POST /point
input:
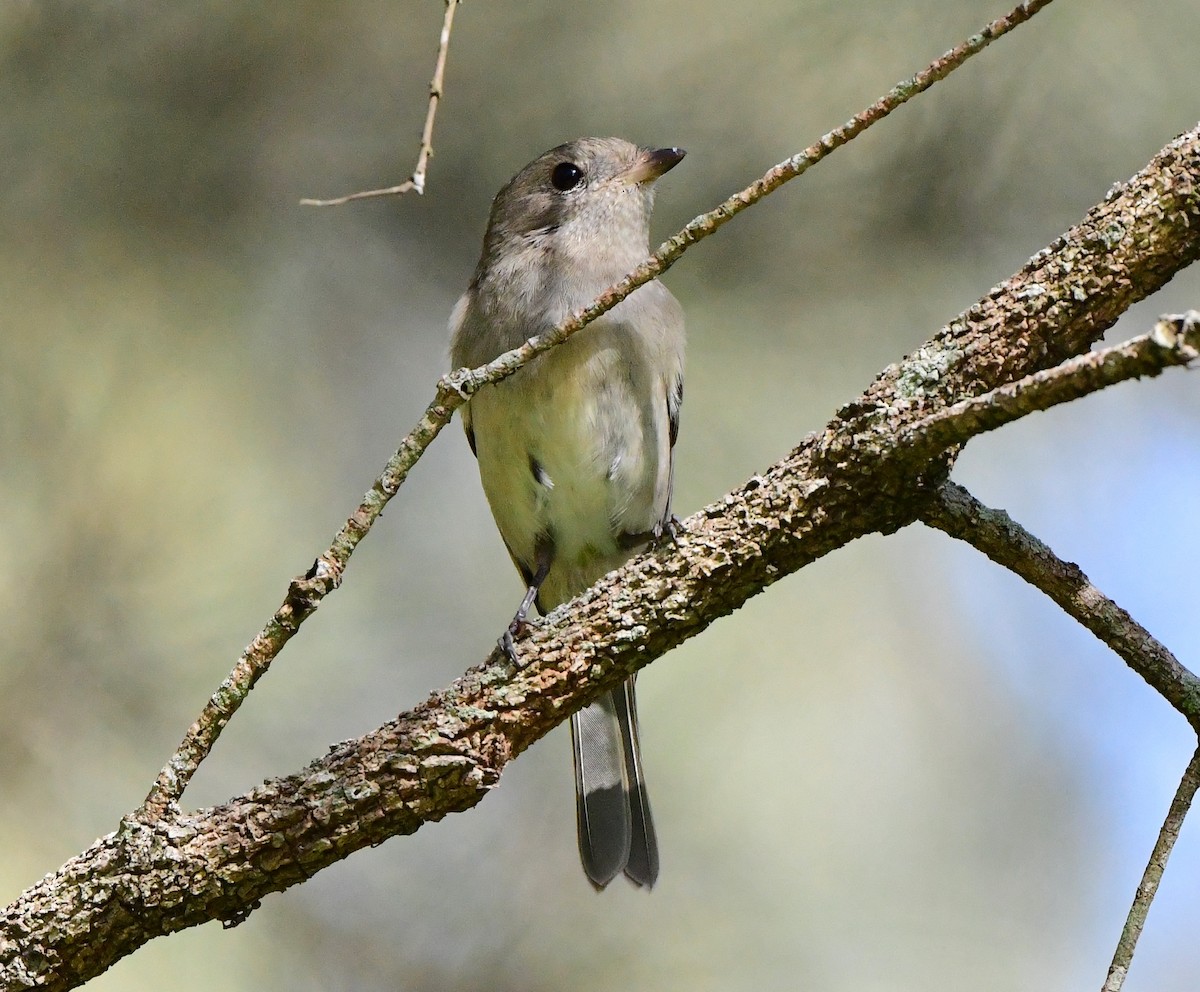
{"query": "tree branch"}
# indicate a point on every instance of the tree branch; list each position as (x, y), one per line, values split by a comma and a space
(157, 875)
(997, 535)
(1174, 341)
(306, 592)
(415, 182)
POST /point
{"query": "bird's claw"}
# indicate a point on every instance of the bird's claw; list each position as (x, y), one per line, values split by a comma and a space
(508, 645)
(507, 641)
(670, 526)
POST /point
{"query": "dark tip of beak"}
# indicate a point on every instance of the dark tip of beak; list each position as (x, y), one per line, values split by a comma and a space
(652, 163)
(665, 159)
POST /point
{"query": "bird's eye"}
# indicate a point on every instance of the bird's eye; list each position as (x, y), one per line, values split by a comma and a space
(566, 176)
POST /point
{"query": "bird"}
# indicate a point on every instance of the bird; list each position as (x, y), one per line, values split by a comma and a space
(576, 449)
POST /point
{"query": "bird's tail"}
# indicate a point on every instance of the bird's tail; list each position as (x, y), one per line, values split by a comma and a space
(616, 830)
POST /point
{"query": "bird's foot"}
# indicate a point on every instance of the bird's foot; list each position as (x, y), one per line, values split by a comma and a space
(507, 641)
(508, 646)
(671, 527)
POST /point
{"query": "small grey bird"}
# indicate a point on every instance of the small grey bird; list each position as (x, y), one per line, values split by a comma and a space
(575, 450)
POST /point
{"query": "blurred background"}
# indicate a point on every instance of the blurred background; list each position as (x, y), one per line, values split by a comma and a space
(899, 769)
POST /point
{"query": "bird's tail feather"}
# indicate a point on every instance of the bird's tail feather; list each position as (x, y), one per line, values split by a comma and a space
(616, 831)
(642, 866)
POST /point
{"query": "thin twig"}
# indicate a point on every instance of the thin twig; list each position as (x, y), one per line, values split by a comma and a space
(415, 182)
(1174, 341)
(997, 535)
(305, 593)
(1148, 886)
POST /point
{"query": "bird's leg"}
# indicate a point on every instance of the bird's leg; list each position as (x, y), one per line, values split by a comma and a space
(507, 645)
(671, 526)
(514, 629)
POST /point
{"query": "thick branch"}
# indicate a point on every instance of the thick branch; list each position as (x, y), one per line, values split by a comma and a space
(851, 479)
(997, 535)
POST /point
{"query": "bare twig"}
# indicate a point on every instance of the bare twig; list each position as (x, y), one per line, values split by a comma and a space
(1174, 341)
(997, 535)
(1148, 886)
(305, 593)
(415, 182)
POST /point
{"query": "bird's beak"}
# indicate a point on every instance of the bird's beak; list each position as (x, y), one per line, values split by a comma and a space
(652, 163)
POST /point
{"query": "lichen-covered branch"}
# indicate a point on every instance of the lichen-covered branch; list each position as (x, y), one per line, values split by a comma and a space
(1175, 341)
